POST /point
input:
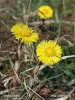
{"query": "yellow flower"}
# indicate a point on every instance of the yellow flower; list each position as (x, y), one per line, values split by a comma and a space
(45, 12)
(17, 30)
(49, 52)
(24, 33)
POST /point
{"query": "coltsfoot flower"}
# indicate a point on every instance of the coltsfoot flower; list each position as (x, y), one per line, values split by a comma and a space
(24, 33)
(45, 12)
(49, 52)
(17, 30)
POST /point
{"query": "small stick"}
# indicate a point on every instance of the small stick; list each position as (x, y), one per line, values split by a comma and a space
(70, 93)
(52, 21)
(35, 93)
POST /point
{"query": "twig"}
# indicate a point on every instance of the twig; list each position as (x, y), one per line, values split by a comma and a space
(6, 91)
(66, 97)
(52, 21)
(35, 93)
(3, 9)
(26, 88)
(69, 42)
(10, 52)
(22, 96)
(68, 36)
(4, 24)
(1, 74)
(70, 93)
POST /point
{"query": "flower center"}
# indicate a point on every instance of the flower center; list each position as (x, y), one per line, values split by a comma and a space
(49, 52)
(26, 34)
(45, 11)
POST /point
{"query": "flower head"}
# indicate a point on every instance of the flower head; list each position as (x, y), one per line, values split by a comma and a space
(45, 12)
(24, 33)
(49, 52)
